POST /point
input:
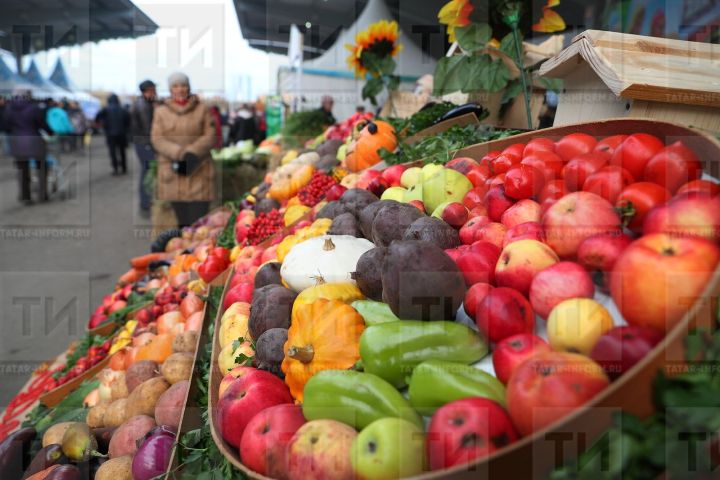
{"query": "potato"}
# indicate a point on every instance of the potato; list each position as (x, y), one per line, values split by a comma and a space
(170, 405)
(119, 468)
(96, 415)
(140, 372)
(185, 342)
(116, 413)
(124, 440)
(142, 400)
(55, 433)
(118, 388)
(177, 367)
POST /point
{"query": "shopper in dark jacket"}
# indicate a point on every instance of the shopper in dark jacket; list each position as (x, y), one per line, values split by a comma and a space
(141, 117)
(23, 120)
(115, 120)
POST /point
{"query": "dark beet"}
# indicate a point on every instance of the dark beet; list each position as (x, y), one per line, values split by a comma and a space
(328, 147)
(262, 190)
(368, 273)
(421, 282)
(345, 224)
(269, 352)
(327, 163)
(391, 221)
(367, 215)
(268, 274)
(271, 308)
(355, 199)
(266, 205)
(433, 230)
(332, 210)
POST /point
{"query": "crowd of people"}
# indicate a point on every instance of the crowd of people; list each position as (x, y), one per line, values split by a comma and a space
(178, 133)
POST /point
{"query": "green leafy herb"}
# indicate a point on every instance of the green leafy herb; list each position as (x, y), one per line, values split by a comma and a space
(80, 351)
(427, 117)
(301, 126)
(226, 238)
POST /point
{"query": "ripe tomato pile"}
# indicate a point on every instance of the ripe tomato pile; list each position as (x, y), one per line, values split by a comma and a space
(311, 194)
(264, 226)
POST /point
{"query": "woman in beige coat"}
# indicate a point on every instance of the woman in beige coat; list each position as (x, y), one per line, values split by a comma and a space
(183, 132)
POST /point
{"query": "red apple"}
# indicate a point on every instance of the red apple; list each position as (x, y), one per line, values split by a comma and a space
(378, 185)
(503, 162)
(520, 261)
(608, 145)
(699, 187)
(574, 218)
(548, 386)
(366, 177)
(335, 192)
(229, 378)
(516, 149)
(392, 175)
(512, 351)
(673, 166)
(492, 232)
(474, 295)
(462, 164)
(559, 282)
(608, 182)
(504, 312)
(497, 202)
(244, 398)
(574, 144)
(475, 197)
(598, 254)
(579, 168)
(635, 152)
(524, 181)
(538, 145)
(659, 277)
(417, 204)
(467, 232)
(622, 347)
(320, 450)
(478, 211)
(525, 210)
(479, 175)
(96, 319)
(263, 447)
(477, 263)
(242, 292)
(547, 162)
(466, 430)
(686, 216)
(524, 231)
(455, 214)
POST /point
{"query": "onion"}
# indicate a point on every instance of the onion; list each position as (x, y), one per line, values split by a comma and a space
(153, 456)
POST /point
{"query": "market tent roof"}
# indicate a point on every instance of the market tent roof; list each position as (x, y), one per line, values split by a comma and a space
(60, 77)
(45, 87)
(68, 22)
(9, 80)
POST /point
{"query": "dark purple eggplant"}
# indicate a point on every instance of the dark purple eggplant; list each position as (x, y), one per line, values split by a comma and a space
(65, 472)
(103, 436)
(13, 452)
(45, 458)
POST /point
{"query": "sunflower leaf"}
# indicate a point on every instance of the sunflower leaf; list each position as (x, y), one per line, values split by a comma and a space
(450, 74)
(507, 46)
(372, 88)
(486, 74)
(473, 37)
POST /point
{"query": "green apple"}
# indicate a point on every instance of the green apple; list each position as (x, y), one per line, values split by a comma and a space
(342, 152)
(394, 193)
(431, 169)
(411, 176)
(413, 193)
(447, 185)
(389, 448)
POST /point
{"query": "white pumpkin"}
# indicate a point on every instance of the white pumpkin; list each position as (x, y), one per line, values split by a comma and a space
(330, 257)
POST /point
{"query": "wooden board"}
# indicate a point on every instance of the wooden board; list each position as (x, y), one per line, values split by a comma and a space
(645, 68)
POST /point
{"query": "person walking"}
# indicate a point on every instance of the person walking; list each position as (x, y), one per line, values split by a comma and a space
(59, 122)
(243, 126)
(23, 121)
(183, 133)
(141, 117)
(79, 123)
(115, 120)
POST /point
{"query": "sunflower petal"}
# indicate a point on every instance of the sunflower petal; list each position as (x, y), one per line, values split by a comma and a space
(551, 21)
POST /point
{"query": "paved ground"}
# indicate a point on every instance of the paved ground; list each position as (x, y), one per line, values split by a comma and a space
(58, 259)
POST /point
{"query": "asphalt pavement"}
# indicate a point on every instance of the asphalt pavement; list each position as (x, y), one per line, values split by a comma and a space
(58, 259)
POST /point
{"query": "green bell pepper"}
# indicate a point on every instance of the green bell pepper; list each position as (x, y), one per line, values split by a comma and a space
(354, 398)
(391, 350)
(435, 383)
(374, 312)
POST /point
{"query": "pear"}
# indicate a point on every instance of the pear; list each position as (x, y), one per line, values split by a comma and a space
(415, 192)
(430, 169)
(78, 442)
(446, 185)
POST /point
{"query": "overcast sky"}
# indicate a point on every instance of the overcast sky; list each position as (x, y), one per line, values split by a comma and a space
(201, 38)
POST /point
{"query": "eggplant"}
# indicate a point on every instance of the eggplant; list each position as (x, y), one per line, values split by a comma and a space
(103, 436)
(65, 472)
(479, 112)
(13, 451)
(45, 458)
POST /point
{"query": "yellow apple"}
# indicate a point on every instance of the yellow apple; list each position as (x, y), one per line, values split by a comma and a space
(234, 328)
(576, 324)
(394, 193)
(226, 359)
(411, 176)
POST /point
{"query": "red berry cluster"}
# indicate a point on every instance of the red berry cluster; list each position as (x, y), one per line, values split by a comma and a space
(264, 226)
(311, 194)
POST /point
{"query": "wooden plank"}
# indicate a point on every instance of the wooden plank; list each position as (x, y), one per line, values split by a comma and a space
(704, 118)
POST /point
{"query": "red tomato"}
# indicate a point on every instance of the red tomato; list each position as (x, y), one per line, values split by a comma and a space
(608, 182)
(635, 151)
(515, 149)
(475, 196)
(695, 187)
(553, 190)
(504, 161)
(608, 145)
(496, 180)
(479, 175)
(546, 161)
(538, 145)
(488, 157)
(579, 168)
(639, 198)
(524, 181)
(570, 146)
(673, 166)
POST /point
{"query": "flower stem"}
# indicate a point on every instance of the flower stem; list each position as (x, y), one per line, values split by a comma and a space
(523, 73)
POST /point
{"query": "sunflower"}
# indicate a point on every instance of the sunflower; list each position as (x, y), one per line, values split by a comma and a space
(551, 21)
(455, 13)
(378, 39)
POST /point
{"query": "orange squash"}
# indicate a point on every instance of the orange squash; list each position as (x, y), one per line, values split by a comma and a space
(157, 350)
(365, 151)
(289, 184)
(323, 335)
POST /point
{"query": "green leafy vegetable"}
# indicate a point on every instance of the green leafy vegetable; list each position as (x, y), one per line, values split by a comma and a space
(226, 238)
(300, 126)
(80, 351)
